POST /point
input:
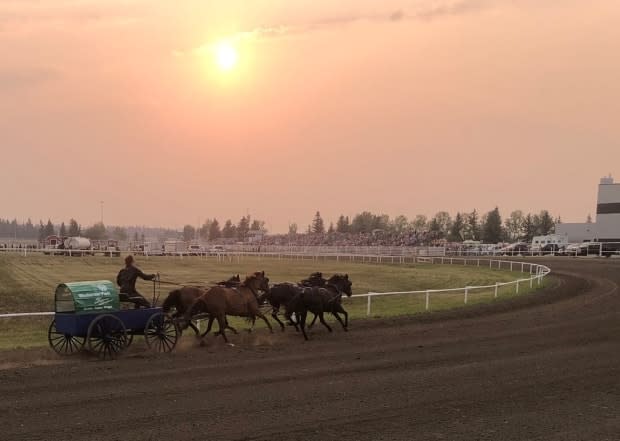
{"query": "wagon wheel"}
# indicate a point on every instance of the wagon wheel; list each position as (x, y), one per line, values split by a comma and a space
(107, 336)
(63, 344)
(161, 333)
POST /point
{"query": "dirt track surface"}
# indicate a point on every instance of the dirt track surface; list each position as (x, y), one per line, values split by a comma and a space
(541, 367)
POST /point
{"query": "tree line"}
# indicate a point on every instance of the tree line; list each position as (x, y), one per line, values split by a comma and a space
(489, 227)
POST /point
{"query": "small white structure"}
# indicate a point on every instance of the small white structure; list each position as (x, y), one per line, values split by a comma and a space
(175, 247)
(77, 243)
(561, 240)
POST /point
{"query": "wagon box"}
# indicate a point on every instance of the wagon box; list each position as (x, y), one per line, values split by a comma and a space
(87, 297)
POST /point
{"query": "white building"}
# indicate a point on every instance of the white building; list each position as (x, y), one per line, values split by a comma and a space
(606, 228)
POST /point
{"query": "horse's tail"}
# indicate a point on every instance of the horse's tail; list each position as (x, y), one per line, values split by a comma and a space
(171, 300)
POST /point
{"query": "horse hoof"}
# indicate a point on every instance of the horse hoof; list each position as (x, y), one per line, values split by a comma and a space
(232, 345)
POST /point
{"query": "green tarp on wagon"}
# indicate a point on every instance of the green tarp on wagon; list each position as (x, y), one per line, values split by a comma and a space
(94, 296)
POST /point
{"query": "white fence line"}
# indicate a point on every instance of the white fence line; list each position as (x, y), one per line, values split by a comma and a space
(536, 271)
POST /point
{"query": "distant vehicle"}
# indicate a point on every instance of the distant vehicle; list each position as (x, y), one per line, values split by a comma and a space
(552, 248)
(216, 249)
(538, 242)
(515, 248)
(195, 250)
(605, 249)
(175, 247)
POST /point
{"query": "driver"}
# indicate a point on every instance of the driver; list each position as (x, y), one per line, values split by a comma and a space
(126, 279)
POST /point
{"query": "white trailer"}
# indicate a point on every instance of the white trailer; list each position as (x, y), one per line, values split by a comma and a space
(561, 240)
(175, 247)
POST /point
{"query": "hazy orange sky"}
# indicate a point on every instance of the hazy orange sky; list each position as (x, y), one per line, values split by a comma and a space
(399, 107)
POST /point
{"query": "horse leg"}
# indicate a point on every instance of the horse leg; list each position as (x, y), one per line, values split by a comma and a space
(274, 314)
(261, 315)
(340, 309)
(221, 321)
(209, 324)
(313, 321)
(322, 319)
(230, 327)
(253, 320)
(302, 323)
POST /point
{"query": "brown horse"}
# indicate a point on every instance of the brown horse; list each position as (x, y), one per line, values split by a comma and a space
(182, 299)
(241, 302)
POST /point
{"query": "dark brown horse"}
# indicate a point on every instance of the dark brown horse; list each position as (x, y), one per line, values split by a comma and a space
(320, 300)
(219, 302)
(281, 294)
(180, 300)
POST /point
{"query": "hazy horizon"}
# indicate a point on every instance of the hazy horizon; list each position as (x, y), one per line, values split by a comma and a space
(396, 107)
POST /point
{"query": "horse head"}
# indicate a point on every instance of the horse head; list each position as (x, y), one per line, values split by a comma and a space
(342, 283)
(257, 281)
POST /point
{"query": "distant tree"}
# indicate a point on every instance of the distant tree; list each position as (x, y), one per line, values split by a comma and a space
(292, 229)
(229, 231)
(49, 228)
(492, 228)
(142, 238)
(63, 230)
(420, 223)
(203, 231)
(258, 225)
(546, 224)
(472, 226)
(456, 231)
(119, 233)
(443, 223)
(135, 236)
(243, 227)
(514, 225)
(74, 228)
(41, 231)
(331, 228)
(214, 230)
(189, 233)
(399, 224)
(96, 232)
(317, 224)
(529, 228)
(342, 225)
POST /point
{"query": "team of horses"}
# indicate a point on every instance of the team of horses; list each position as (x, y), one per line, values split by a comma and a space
(234, 297)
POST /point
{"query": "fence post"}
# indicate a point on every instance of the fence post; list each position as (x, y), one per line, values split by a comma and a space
(496, 286)
(478, 262)
(490, 263)
(517, 287)
(531, 281)
(368, 305)
(522, 267)
(466, 290)
(511, 266)
(428, 295)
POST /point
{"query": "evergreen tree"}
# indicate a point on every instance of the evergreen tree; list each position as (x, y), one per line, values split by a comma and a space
(203, 231)
(229, 231)
(96, 232)
(317, 224)
(49, 229)
(142, 238)
(529, 228)
(41, 231)
(342, 226)
(243, 227)
(420, 223)
(292, 229)
(189, 233)
(456, 231)
(214, 230)
(135, 236)
(546, 225)
(74, 228)
(514, 225)
(63, 230)
(331, 228)
(119, 233)
(473, 226)
(492, 229)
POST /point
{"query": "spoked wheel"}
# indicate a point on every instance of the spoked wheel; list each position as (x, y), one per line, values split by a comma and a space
(107, 336)
(63, 344)
(161, 333)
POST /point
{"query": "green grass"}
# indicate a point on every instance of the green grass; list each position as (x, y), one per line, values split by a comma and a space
(27, 284)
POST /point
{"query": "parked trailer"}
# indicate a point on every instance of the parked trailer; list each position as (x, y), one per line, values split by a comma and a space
(172, 247)
(88, 315)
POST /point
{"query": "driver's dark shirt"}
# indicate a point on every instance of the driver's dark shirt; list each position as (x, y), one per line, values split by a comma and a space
(127, 277)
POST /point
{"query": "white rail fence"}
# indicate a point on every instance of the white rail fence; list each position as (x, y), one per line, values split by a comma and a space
(535, 274)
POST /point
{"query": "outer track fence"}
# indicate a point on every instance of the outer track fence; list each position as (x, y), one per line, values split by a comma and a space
(535, 274)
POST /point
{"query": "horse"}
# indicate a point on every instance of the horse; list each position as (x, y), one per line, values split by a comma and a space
(183, 298)
(281, 294)
(242, 301)
(320, 300)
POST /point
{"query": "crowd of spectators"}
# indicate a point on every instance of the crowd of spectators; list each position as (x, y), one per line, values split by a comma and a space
(376, 238)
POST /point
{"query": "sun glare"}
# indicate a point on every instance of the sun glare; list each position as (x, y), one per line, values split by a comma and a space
(226, 56)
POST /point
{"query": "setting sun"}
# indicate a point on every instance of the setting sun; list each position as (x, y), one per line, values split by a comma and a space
(226, 56)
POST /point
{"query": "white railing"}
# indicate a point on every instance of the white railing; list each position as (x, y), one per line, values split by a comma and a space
(536, 274)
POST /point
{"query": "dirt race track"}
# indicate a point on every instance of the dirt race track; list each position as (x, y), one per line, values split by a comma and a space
(541, 367)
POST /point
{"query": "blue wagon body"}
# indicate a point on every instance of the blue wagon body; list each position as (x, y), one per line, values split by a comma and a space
(77, 324)
(88, 315)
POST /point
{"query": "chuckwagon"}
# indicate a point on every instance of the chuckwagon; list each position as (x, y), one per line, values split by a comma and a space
(88, 315)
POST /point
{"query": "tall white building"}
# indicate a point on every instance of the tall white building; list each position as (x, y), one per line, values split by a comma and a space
(606, 227)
